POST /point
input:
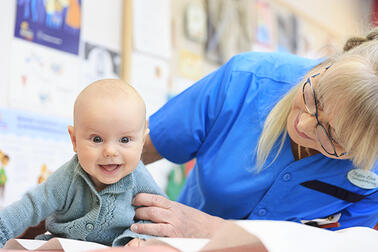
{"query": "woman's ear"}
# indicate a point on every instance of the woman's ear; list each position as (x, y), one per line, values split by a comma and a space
(71, 131)
(146, 132)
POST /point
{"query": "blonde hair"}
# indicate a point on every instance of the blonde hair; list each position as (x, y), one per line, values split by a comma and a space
(353, 77)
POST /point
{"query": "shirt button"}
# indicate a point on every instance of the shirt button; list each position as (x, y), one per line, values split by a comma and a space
(262, 212)
(286, 177)
(89, 226)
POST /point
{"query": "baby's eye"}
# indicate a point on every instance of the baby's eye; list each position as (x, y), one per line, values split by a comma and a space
(125, 140)
(97, 139)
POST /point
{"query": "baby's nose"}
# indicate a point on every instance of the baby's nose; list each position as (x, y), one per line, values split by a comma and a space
(110, 151)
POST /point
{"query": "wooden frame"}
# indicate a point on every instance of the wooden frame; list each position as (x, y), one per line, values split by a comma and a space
(127, 39)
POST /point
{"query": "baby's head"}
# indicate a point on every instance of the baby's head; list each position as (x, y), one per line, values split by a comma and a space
(109, 130)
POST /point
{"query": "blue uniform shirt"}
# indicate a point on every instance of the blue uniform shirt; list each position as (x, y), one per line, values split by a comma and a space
(218, 121)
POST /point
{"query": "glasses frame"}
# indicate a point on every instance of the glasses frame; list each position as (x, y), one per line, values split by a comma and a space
(317, 116)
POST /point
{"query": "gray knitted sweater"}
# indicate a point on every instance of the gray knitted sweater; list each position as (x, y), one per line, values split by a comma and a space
(75, 210)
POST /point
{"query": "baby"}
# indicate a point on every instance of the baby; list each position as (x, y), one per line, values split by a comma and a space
(90, 197)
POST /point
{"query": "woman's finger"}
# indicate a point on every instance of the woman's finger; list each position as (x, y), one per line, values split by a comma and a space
(154, 214)
(157, 229)
(171, 218)
(147, 199)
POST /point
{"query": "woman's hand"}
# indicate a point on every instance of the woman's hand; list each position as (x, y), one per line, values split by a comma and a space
(172, 219)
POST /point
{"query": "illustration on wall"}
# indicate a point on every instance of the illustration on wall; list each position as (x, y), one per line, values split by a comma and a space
(4, 160)
(225, 16)
(43, 80)
(190, 65)
(195, 22)
(264, 26)
(35, 145)
(287, 32)
(44, 173)
(99, 63)
(52, 23)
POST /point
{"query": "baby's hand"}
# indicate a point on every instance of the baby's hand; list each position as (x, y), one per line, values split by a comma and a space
(135, 243)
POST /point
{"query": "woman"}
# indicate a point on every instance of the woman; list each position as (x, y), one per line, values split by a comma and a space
(275, 136)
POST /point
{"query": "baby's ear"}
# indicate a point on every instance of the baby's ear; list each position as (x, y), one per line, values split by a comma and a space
(71, 131)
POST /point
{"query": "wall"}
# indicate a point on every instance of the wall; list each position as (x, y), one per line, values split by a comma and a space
(343, 18)
(323, 23)
(33, 132)
(157, 73)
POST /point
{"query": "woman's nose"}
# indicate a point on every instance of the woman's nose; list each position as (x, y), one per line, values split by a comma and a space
(307, 124)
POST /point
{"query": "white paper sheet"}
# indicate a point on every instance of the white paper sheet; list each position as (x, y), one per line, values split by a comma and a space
(152, 27)
(185, 244)
(150, 76)
(275, 236)
(43, 80)
(279, 236)
(53, 244)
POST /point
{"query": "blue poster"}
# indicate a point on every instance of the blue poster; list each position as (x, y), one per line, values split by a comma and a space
(27, 124)
(52, 23)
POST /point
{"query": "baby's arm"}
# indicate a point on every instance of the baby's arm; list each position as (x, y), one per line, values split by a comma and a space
(28, 211)
(32, 208)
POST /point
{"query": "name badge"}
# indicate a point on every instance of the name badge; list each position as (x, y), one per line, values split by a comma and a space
(363, 179)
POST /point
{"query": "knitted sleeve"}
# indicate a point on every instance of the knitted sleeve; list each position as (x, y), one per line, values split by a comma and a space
(144, 181)
(37, 204)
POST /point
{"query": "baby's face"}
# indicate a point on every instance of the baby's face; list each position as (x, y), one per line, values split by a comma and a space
(108, 138)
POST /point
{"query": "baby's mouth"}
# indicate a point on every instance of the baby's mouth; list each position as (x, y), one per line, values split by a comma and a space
(110, 167)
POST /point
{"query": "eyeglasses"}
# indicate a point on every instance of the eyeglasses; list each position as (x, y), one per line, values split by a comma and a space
(311, 104)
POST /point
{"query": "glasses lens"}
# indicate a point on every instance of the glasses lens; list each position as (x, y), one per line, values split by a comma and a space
(309, 100)
(324, 140)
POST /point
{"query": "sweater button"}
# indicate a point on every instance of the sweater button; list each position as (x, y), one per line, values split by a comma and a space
(89, 227)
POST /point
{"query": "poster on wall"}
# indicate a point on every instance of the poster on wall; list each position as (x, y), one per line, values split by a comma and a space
(31, 148)
(190, 65)
(99, 63)
(44, 81)
(287, 32)
(225, 16)
(152, 27)
(52, 23)
(264, 40)
(150, 77)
